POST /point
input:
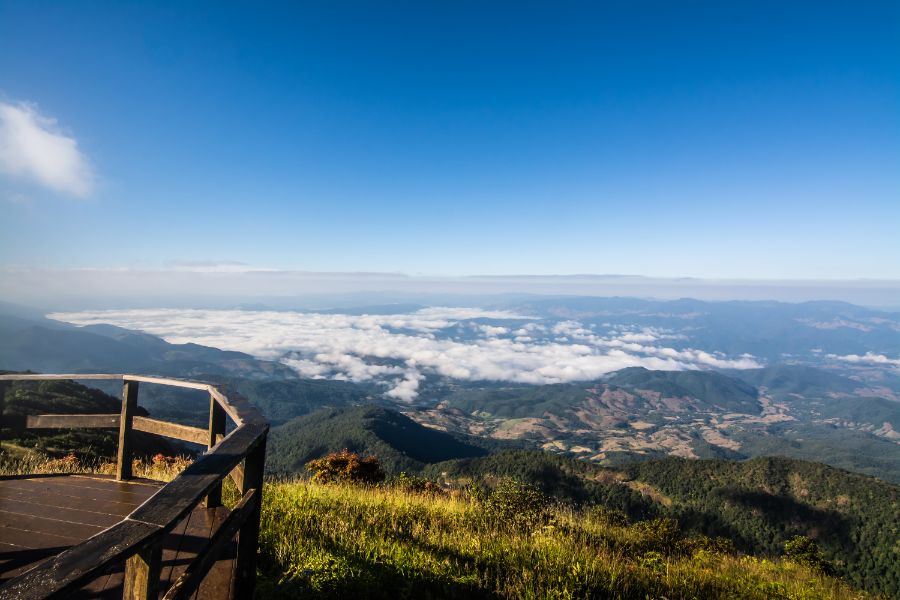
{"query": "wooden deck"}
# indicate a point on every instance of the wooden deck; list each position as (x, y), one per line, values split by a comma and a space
(42, 515)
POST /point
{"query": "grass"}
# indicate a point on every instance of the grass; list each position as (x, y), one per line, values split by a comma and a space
(159, 467)
(344, 541)
(338, 541)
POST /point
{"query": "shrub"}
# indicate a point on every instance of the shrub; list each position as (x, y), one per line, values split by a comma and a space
(658, 535)
(698, 543)
(610, 516)
(346, 466)
(418, 485)
(805, 551)
(476, 493)
(517, 505)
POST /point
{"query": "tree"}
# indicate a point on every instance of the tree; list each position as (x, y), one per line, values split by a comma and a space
(805, 551)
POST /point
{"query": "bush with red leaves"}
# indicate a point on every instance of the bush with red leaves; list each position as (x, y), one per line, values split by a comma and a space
(346, 466)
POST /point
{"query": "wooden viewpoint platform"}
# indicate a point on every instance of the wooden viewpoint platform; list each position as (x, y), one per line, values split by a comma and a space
(94, 536)
(40, 516)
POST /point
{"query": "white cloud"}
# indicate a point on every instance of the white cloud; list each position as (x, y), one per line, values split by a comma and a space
(406, 389)
(398, 350)
(868, 358)
(491, 331)
(33, 147)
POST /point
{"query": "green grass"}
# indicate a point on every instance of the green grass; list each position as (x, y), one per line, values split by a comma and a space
(334, 541)
(344, 541)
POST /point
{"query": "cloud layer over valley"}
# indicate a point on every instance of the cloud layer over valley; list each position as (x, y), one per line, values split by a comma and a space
(400, 350)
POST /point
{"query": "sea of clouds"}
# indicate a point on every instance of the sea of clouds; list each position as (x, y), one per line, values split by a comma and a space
(400, 349)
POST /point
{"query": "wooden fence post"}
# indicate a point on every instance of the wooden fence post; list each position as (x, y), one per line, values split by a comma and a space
(3, 387)
(248, 538)
(129, 405)
(142, 573)
(216, 433)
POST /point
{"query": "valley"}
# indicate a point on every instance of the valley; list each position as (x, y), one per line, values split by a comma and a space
(655, 421)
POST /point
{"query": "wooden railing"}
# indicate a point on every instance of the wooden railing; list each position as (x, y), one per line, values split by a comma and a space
(138, 538)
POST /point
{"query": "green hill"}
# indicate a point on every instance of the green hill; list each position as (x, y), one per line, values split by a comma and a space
(399, 442)
(781, 380)
(709, 387)
(758, 504)
(515, 402)
(764, 501)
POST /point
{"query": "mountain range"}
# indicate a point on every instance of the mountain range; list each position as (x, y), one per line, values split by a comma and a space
(795, 446)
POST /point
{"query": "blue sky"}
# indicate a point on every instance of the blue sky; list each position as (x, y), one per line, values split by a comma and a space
(713, 140)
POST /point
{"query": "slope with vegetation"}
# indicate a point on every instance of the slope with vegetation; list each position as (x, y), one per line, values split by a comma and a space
(400, 443)
(348, 541)
(758, 504)
(400, 539)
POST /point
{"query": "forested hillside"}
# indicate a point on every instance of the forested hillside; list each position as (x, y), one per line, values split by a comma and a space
(761, 503)
(400, 443)
(758, 504)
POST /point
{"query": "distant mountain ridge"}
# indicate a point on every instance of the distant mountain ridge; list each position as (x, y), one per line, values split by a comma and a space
(709, 387)
(50, 346)
(639, 413)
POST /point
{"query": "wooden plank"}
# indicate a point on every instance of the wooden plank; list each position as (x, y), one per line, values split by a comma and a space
(51, 377)
(219, 582)
(66, 514)
(194, 385)
(203, 522)
(70, 530)
(101, 421)
(76, 566)
(142, 572)
(244, 410)
(133, 483)
(65, 498)
(179, 496)
(129, 405)
(172, 547)
(99, 587)
(223, 401)
(27, 538)
(237, 476)
(89, 491)
(214, 435)
(16, 559)
(245, 569)
(119, 490)
(172, 430)
(187, 584)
